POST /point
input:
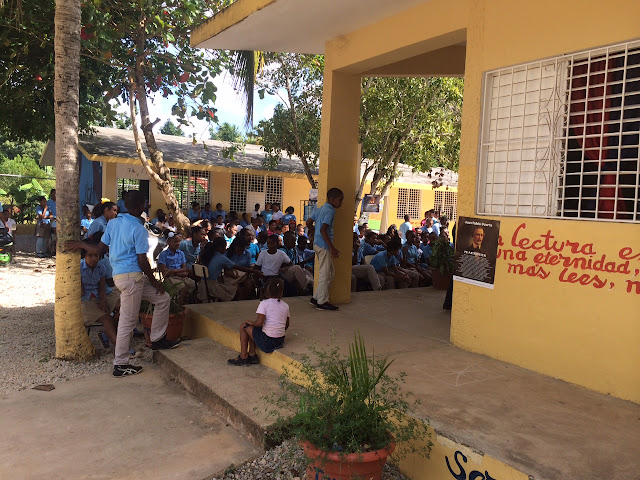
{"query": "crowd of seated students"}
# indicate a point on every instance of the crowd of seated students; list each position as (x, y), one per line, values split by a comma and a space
(242, 251)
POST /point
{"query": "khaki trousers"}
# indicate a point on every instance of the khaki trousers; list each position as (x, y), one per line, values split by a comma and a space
(296, 274)
(326, 272)
(134, 288)
(367, 273)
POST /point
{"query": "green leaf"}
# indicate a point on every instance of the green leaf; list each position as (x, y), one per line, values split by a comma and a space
(25, 187)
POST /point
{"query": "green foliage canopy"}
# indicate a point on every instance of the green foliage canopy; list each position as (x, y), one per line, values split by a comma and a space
(170, 128)
(226, 133)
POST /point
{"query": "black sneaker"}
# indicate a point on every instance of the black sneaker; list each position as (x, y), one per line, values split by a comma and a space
(125, 370)
(164, 344)
(254, 359)
(326, 306)
(239, 361)
(313, 301)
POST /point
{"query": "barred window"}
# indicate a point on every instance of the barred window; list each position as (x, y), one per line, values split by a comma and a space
(447, 203)
(409, 202)
(560, 137)
(238, 200)
(126, 184)
(191, 186)
(273, 190)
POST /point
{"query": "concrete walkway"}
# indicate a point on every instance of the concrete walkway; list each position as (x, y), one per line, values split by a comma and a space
(545, 427)
(100, 427)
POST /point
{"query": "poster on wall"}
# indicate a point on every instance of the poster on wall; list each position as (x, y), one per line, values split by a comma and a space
(476, 251)
(371, 204)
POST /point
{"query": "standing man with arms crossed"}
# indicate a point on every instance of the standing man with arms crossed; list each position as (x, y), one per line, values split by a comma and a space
(128, 242)
(323, 246)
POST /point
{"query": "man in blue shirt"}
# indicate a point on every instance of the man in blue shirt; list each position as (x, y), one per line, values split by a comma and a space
(323, 246)
(266, 213)
(191, 246)
(127, 240)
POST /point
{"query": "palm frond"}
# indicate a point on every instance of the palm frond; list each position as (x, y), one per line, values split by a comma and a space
(247, 66)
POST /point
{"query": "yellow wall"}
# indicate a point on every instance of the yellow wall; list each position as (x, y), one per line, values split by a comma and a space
(577, 333)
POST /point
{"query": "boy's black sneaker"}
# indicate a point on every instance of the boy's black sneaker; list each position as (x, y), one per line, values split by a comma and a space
(239, 361)
(326, 306)
(125, 370)
(164, 344)
(254, 360)
(313, 301)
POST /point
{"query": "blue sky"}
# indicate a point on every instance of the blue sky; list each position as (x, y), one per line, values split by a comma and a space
(228, 104)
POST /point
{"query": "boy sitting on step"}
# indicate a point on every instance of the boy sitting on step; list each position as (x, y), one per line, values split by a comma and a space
(267, 331)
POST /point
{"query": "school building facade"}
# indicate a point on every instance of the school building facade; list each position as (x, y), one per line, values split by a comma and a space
(550, 128)
(110, 165)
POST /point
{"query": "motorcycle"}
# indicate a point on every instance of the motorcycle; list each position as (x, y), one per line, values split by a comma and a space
(6, 247)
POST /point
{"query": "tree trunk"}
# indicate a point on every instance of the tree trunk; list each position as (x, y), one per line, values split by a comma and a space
(156, 167)
(72, 342)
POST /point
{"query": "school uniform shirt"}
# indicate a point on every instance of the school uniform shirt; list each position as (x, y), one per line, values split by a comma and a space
(9, 225)
(277, 215)
(91, 280)
(86, 223)
(436, 228)
(292, 254)
(190, 252)
(219, 212)
(40, 211)
(242, 260)
(359, 254)
(218, 263)
(254, 250)
(229, 240)
(412, 254)
(98, 225)
(244, 223)
(288, 217)
(126, 238)
(371, 249)
(255, 214)
(322, 215)
(426, 251)
(276, 313)
(193, 216)
(271, 263)
(266, 215)
(52, 210)
(204, 215)
(107, 265)
(381, 260)
(173, 261)
(121, 207)
(306, 257)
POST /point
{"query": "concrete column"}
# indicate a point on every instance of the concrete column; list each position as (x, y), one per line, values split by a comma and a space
(339, 162)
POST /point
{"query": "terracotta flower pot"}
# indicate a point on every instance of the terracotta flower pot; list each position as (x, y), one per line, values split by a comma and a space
(333, 466)
(174, 329)
(440, 282)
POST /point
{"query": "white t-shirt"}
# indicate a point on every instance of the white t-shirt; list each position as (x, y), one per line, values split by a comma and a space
(255, 213)
(271, 263)
(404, 228)
(9, 224)
(277, 215)
(276, 313)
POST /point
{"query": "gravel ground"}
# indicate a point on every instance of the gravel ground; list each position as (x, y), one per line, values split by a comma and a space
(284, 463)
(27, 338)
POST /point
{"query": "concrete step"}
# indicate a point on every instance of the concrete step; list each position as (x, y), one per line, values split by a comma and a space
(234, 393)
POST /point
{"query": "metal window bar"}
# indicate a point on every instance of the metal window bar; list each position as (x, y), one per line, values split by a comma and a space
(126, 184)
(199, 186)
(413, 207)
(273, 190)
(403, 200)
(511, 182)
(238, 200)
(180, 183)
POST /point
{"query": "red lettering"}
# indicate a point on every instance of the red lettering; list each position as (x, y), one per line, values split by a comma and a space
(631, 284)
(626, 253)
(515, 235)
(584, 279)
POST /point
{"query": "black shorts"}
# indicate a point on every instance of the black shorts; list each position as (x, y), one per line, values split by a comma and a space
(264, 342)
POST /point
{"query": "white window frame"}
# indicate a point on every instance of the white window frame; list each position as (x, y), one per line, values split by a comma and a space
(446, 201)
(545, 189)
(243, 184)
(188, 196)
(412, 209)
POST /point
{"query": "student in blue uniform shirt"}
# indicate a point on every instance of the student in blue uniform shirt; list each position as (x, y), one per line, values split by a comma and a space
(191, 246)
(207, 213)
(371, 244)
(220, 212)
(122, 207)
(387, 263)
(288, 216)
(127, 240)
(194, 212)
(85, 223)
(266, 213)
(102, 214)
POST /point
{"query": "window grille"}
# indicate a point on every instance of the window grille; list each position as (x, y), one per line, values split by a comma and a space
(238, 200)
(273, 192)
(126, 184)
(256, 183)
(447, 203)
(409, 202)
(560, 137)
(191, 186)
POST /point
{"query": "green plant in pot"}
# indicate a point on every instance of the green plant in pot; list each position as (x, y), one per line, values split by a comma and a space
(177, 312)
(442, 264)
(349, 413)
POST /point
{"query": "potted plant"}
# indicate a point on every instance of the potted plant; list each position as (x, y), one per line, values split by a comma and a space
(348, 414)
(442, 264)
(177, 313)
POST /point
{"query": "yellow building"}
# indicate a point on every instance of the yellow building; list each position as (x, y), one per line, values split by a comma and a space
(562, 179)
(110, 165)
